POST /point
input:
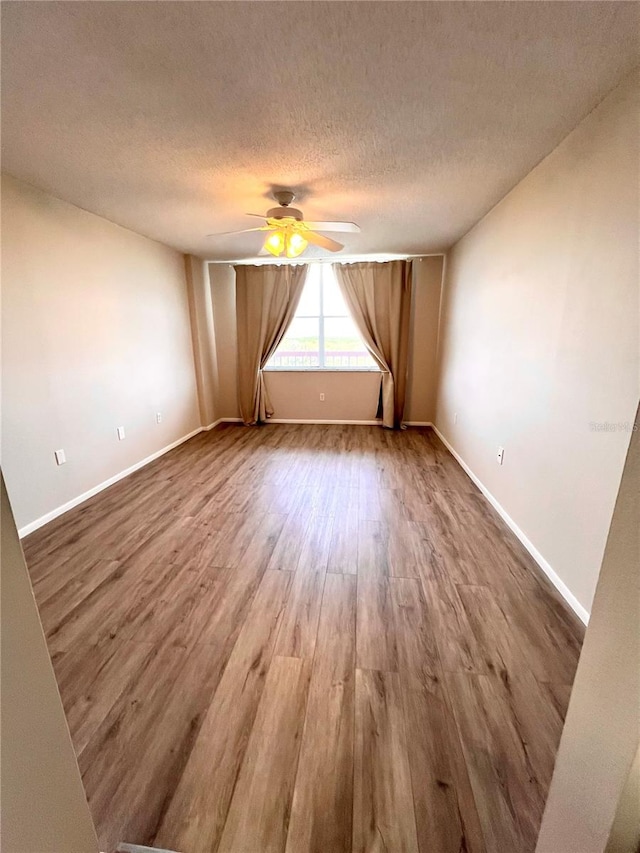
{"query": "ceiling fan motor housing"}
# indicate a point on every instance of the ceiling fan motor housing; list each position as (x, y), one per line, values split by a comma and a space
(284, 213)
(284, 199)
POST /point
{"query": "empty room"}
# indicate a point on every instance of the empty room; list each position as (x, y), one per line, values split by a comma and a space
(320, 452)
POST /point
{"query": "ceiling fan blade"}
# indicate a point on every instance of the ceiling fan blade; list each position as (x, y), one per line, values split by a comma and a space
(350, 227)
(322, 241)
(243, 231)
(259, 215)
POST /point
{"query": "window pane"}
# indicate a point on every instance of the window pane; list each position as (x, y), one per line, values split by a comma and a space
(334, 304)
(300, 346)
(343, 346)
(309, 305)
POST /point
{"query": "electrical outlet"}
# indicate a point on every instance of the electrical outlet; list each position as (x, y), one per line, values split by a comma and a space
(60, 457)
(455, 417)
(322, 397)
(500, 456)
(120, 433)
(158, 417)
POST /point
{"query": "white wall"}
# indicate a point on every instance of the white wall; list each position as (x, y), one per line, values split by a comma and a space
(95, 334)
(540, 341)
(587, 797)
(44, 808)
(348, 395)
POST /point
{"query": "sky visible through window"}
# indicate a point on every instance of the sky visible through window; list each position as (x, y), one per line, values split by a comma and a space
(322, 335)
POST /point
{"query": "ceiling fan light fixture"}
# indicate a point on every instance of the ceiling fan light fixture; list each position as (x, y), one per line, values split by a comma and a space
(295, 245)
(290, 233)
(275, 243)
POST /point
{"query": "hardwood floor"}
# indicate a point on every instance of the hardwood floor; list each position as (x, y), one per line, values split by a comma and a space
(309, 639)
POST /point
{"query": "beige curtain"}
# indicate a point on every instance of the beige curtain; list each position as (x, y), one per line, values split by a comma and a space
(379, 298)
(266, 300)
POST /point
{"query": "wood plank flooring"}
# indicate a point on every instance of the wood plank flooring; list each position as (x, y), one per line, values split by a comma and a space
(306, 639)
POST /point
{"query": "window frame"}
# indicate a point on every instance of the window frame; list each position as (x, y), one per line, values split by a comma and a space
(321, 342)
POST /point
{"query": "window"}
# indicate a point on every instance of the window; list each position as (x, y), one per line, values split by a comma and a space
(322, 335)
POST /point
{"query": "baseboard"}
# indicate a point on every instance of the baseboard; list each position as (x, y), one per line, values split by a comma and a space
(222, 421)
(556, 580)
(49, 516)
(314, 421)
(376, 422)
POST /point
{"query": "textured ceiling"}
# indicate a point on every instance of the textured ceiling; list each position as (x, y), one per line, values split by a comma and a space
(413, 119)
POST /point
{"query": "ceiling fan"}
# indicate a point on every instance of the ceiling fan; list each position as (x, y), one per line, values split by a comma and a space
(290, 233)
